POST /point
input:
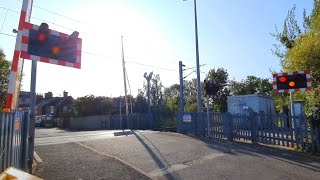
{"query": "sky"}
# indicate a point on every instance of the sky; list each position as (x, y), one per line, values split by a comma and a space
(157, 34)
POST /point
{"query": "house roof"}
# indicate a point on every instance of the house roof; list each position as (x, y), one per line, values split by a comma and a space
(54, 101)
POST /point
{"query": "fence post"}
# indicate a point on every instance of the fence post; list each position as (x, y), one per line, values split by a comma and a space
(179, 122)
(25, 144)
(204, 125)
(253, 123)
(229, 119)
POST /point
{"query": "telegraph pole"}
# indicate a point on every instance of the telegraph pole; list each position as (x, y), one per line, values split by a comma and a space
(181, 87)
(124, 78)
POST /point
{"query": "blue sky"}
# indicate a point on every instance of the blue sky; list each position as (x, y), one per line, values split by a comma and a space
(233, 34)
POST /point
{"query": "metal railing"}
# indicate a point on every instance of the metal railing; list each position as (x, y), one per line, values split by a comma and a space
(276, 129)
(13, 140)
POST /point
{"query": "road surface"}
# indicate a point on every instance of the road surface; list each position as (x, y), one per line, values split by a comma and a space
(159, 155)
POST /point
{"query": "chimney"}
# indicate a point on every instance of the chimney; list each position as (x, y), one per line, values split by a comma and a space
(48, 95)
(65, 94)
(39, 97)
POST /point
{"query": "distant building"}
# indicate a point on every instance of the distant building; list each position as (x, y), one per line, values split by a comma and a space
(24, 99)
(54, 106)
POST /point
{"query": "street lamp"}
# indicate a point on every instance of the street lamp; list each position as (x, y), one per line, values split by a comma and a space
(148, 78)
(197, 57)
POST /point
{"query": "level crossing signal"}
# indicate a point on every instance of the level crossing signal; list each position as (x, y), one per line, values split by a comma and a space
(292, 81)
(211, 88)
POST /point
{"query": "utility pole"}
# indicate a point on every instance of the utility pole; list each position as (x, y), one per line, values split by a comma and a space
(197, 58)
(129, 92)
(124, 78)
(181, 87)
(120, 113)
(157, 92)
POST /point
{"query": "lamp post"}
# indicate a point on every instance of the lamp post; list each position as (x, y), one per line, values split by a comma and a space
(197, 57)
(148, 78)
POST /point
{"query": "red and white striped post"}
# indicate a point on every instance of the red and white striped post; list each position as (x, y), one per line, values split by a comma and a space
(16, 68)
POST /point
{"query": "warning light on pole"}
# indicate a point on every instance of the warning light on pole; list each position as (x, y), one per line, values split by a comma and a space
(292, 81)
(46, 45)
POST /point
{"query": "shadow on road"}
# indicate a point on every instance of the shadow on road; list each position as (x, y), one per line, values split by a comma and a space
(123, 133)
(257, 150)
(155, 154)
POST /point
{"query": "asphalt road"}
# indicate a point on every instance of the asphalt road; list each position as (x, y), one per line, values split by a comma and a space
(145, 155)
(56, 136)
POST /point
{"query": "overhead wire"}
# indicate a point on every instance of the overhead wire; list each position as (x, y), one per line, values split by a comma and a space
(44, 9)
(7, 34)
(46, 21)
(193, 67)
(189, 74)
(4, 20)
(133, 62)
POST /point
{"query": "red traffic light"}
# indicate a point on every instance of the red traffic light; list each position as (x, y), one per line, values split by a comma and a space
(43, 32)
(283, 79)
(42, 37)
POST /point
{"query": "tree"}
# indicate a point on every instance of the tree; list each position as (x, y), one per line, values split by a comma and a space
(302, 49)
(251, 85)
(220, 75)
(91, 106)
(291, 31)
(140, 103)
(190, 95)
(4, 78)
(172, 97)
(156, 92)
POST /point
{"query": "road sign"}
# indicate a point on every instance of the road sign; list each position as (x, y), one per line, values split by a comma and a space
(187, 118)
(292, 81)
(42, 44)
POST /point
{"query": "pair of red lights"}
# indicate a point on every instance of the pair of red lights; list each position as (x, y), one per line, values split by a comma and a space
(42, 37)
(284, 79)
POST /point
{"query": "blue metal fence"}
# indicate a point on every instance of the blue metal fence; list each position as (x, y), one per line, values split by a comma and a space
(132, 121)
(277, 129)
(13, 140)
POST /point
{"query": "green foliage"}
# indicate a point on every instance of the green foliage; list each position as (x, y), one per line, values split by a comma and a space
(172, 97)
(91, 106)
(156, 88)
(140, 103)
(220, 75)
(4, 78)
(301, 52)
(252, 85)
(305, 55)
(291, 31)
(190, 95)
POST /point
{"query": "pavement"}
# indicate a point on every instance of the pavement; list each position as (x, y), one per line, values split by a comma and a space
(163, 155)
